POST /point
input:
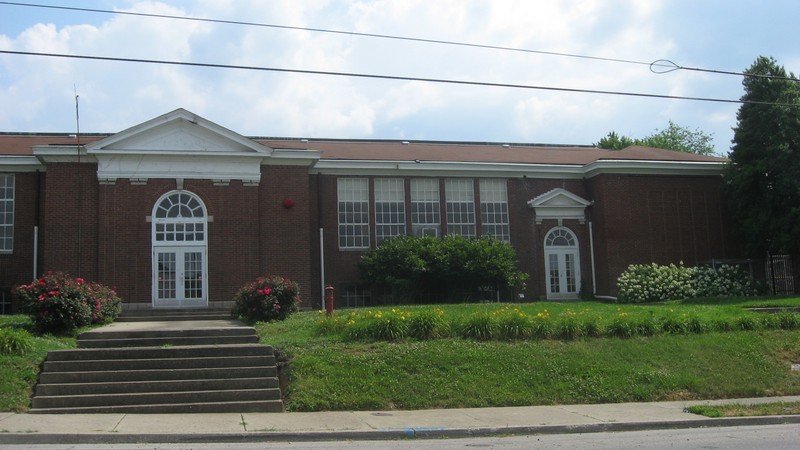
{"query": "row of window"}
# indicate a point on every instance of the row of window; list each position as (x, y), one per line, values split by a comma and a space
(6, 213)
(425, 202)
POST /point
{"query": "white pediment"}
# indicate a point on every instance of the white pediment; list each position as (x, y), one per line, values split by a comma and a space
(178, 145)
(559, 204)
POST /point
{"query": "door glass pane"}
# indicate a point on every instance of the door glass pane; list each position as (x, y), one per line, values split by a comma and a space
(166, 275)
(554, 282)
(193, 275)
(569, 270)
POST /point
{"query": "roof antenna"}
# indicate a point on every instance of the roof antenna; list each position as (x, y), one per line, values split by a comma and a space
(77, 119)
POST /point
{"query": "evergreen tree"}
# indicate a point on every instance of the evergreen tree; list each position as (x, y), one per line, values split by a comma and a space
(762, 186)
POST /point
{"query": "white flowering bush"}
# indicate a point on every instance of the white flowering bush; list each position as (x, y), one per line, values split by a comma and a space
(725, 281)
(646, 283)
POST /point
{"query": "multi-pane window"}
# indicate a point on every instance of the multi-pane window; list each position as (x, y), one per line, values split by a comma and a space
(494, 209)
(390, 208)
(425, 207)
(353, 212)
(460, 202)
(179, 217)
(6, 213)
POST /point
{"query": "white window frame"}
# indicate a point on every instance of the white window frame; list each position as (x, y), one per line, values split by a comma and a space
(390, 208)
(460, 206)
(426, 214)
(353, 213)
(494, 209)
(7, 193)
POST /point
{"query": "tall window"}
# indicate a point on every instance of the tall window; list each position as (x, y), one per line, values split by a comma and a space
(390, 208)
(6, 213)
(353, 212)
(494, 209)
(425, 207)
(460, 200)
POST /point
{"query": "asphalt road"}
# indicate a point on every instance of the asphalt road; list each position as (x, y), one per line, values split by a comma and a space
(728, 438)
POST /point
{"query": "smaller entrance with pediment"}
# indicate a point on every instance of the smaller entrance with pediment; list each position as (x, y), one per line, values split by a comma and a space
(180, 251)
(562, 264)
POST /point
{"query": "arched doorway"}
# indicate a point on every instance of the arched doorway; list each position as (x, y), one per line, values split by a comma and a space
(179, 240)
(562, 264)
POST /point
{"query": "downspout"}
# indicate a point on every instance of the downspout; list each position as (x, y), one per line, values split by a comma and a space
(321, 244)
(37, 206)
(591, 255)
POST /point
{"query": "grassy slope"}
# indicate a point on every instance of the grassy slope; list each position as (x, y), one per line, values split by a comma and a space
(328, 374)
(18, 374)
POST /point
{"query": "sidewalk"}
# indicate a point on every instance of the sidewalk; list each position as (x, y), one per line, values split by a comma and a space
(365, 425)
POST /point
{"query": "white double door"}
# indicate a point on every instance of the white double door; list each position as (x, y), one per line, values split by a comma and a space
(180, 276)
(563, 273)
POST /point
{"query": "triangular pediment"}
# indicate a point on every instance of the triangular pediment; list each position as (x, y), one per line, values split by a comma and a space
(559, 198)
(178, 132)
(559, 204)
(178, 145)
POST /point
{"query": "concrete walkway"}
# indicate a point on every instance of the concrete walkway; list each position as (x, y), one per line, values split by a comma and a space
(450, 423)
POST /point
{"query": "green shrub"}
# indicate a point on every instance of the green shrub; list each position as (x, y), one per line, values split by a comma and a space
(725, 281)
(427, 324)
(513, 324)
(568, 326)
(453, 268)
(479, 325)
(266, 299)
(58, 303)
(646, 283)
(15, 342)
(620, 326)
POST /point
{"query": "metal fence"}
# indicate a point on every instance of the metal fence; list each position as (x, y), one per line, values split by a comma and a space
(780, 278)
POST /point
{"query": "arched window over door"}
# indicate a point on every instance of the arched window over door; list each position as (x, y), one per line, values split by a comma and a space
(562, 264)
(179, 240)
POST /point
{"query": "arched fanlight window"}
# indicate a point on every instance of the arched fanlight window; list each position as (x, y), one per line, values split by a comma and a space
(560, 237)
(179, 217)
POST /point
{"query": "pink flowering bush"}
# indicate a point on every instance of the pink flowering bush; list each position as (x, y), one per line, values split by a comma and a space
(267, 299)
(58, 303)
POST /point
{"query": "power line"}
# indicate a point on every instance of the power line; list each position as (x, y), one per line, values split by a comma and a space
(388, 77)
(667, 65)
(659, 66)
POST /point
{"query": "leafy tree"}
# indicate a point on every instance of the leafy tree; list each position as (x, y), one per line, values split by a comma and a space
(613, 141)
(763, 177)
(674, 137)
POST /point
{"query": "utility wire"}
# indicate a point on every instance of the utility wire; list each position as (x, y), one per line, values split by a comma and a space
(659, 66)
(388, 77)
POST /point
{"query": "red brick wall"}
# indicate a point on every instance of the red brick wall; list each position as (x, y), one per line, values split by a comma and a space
(17, 267)
(644, 219)
(70, 219)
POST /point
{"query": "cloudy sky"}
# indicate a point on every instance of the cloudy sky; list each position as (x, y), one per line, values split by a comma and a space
(38, 93)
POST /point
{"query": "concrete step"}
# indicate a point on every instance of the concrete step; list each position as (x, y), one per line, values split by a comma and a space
(173, 315)
(150, 375)
(189, 351)
(105, 342)
(131, 387)
(161, 367)
(177, 408)
(157, 363)
(150, 398)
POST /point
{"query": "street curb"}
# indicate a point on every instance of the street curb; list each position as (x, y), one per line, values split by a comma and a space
(392, 434)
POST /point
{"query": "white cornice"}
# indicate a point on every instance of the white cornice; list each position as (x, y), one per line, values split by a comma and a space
(515, 170)
(446, 168)
(15, 163)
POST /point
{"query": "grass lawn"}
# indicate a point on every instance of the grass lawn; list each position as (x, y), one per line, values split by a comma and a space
(331, 372)
(737, 410)
(18, 374)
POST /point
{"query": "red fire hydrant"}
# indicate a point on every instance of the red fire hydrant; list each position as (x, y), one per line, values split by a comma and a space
(329, 299)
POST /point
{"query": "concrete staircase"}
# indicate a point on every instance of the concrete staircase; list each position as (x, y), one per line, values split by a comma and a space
(178, 366)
